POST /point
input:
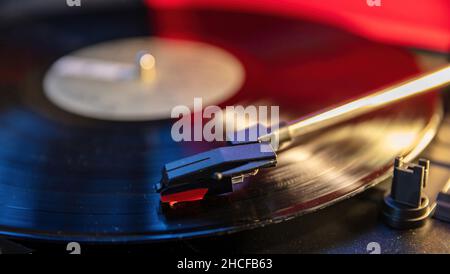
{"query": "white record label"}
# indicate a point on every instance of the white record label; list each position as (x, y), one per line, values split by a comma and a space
(103, 81)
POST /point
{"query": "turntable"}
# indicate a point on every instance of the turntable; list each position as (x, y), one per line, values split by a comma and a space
(88, 156)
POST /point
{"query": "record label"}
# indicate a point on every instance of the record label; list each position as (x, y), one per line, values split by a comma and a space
(104, 81)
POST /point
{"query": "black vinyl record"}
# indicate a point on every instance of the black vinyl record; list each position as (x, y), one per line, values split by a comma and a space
(72, 178)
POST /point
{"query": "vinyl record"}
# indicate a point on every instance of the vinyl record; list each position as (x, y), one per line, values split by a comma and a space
(67, 176)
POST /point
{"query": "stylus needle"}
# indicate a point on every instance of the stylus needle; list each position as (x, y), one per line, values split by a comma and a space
(215, 171)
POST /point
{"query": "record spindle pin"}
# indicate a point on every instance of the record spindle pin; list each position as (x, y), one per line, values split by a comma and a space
(146, 64)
